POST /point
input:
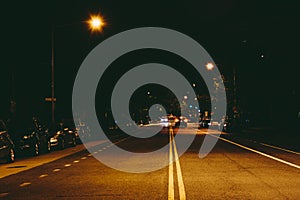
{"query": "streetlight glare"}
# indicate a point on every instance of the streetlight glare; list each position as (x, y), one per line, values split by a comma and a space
(96, 23)
(209, 66)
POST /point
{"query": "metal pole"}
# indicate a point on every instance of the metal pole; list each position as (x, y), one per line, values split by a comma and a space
(234, 87)
(52, 74)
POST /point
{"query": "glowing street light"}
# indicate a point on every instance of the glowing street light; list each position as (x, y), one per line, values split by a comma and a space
(209, 66)
(96, 23)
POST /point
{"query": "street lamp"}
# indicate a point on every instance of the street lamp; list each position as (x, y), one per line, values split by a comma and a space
(96, 23)
(209, 66)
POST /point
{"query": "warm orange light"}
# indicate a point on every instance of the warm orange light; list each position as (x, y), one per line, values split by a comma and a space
(209, 66)
(96, 23)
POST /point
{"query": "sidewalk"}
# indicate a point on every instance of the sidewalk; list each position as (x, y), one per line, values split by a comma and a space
(282, 137)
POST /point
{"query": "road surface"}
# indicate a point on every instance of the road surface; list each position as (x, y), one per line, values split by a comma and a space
(233, 170)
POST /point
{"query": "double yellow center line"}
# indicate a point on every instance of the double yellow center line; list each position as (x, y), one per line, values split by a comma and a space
(173, 156)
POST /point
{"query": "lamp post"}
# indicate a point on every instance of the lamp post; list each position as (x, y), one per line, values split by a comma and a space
(52, 75)
(210, 66)
(96, 24)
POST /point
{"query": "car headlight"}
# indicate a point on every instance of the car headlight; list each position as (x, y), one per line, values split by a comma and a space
(25, 137)
(53, 139)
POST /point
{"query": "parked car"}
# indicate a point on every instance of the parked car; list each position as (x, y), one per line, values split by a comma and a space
(63, 135)
(227, 127)
(30, 137)
(231, 125)
(84, 131)
(69, 123)
(7, 151)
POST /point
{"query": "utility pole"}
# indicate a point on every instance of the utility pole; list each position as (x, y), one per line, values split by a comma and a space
(234, 87)
(13, 94)
(52, 75)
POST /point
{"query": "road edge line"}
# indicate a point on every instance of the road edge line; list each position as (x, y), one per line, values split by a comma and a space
(279, 148)
(258, 152)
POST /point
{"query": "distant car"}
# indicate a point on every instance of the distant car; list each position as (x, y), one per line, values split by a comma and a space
(169, 121)
(62, 136)
(210, 123)
(30, 137)
(172, 120)
(181, 121)
(164, 122)
(204, 123)
(7, 151)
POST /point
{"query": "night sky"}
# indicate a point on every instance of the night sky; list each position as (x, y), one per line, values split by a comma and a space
(260, 39)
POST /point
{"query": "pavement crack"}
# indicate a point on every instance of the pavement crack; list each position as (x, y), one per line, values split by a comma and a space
(241, 167)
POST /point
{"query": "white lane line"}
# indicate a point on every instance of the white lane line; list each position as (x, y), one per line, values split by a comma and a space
(56, 170)
(83, 158)
(3, 194)
(182, 195)
(260, 153)
(43, 175)
(171, 195)
(279, 148)
(122, 140)
(25, 184)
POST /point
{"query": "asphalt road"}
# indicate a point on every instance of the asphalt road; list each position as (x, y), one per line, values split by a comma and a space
(236, 169)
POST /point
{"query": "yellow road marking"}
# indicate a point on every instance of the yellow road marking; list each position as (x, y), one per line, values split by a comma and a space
(171, 181)
(182, 194)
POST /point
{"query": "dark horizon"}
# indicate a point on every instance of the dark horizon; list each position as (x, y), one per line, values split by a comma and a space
(258, 39)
